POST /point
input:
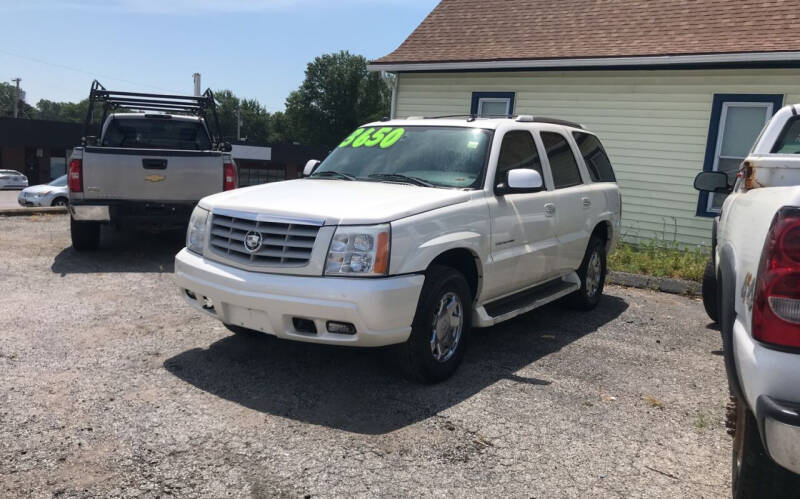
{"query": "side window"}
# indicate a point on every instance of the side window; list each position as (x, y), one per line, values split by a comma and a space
(562, 162)
(595, 157)
(789, 140)
(518, 150)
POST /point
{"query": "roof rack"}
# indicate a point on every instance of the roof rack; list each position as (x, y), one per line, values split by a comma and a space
(521, 118)
(195, 105)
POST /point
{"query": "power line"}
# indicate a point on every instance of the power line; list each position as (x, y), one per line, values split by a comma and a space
(93, 75)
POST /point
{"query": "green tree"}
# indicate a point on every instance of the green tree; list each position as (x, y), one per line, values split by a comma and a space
(255, 120)
(337, 95)
(8, 94)
(64, 111)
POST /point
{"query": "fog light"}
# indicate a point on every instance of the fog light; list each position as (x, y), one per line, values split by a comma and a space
(304, 325)
(341, 327)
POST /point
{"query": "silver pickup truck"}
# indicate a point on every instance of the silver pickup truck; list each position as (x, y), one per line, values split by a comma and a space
(148, 169)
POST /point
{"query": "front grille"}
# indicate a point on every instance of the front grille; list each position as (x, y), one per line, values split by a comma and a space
(283, 244)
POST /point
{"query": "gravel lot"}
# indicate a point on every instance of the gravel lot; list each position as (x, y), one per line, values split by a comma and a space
(110, 386)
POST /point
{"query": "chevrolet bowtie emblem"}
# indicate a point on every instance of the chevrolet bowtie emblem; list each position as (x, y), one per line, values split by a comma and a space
(155, 178)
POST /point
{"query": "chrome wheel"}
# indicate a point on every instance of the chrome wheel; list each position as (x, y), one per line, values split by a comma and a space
(594, 272)
(448, 322)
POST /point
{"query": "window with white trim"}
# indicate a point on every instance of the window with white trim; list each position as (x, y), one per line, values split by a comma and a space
(492, 103)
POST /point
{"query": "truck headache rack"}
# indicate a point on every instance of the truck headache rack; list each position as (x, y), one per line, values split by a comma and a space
(162, 103)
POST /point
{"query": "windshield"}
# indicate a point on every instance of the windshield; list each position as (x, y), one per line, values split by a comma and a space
(424, 155)
(59, 182)
(156, 133)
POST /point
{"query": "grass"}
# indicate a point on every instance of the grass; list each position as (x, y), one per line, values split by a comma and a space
(659, 259)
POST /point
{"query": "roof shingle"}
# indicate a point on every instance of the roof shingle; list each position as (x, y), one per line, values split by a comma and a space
(479, 30)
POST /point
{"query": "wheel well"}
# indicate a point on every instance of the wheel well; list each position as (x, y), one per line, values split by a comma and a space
(602, 231)
(465, 262)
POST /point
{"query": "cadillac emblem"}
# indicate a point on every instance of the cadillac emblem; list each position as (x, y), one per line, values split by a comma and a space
(252, 241)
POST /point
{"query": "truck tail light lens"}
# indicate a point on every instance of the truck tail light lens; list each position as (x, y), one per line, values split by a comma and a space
(229, 183)
(75, 176)
(776, 311)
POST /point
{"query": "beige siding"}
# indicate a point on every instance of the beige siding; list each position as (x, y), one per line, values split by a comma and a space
(653, 123)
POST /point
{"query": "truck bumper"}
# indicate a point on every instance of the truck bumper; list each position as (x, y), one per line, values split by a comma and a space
(771, 384)
(380, 309)
(135, 213)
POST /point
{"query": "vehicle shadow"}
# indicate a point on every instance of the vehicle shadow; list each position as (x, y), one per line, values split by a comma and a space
(123, 251)
(361, 390)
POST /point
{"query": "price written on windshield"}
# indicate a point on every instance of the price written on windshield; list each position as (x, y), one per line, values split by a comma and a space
(370, 137)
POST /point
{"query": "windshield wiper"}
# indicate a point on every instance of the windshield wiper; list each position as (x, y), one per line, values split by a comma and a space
(401, 178)
(331, 173)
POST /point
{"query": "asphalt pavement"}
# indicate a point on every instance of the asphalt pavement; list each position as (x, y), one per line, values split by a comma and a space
(112, 386)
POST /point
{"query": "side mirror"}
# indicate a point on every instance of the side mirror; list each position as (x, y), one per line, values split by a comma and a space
(712, 182)
(226, 147)
(521, 180)
(311, 165)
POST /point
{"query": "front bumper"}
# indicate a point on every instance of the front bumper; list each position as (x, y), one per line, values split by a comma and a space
(381, 309)
(771, 384)
(30, 201)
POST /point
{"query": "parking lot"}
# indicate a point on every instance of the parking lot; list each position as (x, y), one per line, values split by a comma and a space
(8, 198)
(112, 386)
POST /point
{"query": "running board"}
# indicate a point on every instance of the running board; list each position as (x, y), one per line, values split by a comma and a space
(526, 300)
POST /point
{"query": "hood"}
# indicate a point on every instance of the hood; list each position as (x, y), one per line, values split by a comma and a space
(42, 188)
(336, 201)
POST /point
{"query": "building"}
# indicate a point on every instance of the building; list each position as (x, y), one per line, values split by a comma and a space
(272, 163)
(37, 148)
(671, 87)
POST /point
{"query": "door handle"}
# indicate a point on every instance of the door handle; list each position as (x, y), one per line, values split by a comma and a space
(587, 202)
(549, 209)
(154, 164)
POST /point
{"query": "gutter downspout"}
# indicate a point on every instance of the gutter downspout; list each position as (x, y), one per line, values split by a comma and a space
(393, 85)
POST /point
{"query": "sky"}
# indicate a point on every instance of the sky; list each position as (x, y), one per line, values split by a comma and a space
(256, 48)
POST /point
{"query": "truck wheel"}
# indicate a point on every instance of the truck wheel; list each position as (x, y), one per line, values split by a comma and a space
(85, 235)
(710, 297)
(754, 473)
(592, 274)
(441, 326)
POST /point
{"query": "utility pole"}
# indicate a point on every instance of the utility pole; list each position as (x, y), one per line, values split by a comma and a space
(16, 97)
(196, 78)
(238, 125)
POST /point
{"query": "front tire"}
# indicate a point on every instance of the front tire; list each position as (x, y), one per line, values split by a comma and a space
(441, 326)
(710, 297)
(59, 202)
(753, 472)
(592, 274)
(85, 235)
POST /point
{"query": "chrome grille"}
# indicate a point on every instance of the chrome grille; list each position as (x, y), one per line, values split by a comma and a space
(283, 244)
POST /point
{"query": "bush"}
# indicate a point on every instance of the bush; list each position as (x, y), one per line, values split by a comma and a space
(660, 259)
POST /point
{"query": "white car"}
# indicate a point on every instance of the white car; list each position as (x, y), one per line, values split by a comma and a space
(752, 287)
(12, 179)
(410, 232)
(53, 194)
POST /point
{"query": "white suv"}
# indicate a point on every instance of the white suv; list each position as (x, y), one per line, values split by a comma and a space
(410, 232)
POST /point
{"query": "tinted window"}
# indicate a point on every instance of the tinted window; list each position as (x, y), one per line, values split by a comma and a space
(517, 151)
(157, 133)
(562, 161)
(789, 141)
(595, 156)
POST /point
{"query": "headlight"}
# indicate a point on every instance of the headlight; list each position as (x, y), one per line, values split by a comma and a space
(359, 251)
(196, 234)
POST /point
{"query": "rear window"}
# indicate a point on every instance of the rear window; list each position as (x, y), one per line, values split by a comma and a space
(595, 156)
(156, 133)
(789, 141)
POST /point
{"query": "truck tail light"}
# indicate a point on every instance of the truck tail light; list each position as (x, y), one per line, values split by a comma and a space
(230, 177)
(75, 175)
(776, 311)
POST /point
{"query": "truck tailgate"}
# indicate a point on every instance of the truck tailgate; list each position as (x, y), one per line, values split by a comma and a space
(151, 175)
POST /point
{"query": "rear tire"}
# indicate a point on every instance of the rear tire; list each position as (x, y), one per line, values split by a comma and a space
(753, 472)
(592, 274)
(710, 296)
(441, 326)
(85, 235)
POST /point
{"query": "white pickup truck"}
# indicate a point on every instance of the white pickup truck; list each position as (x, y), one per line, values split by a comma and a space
(147, 169)
(409, 233)
(752, 288)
